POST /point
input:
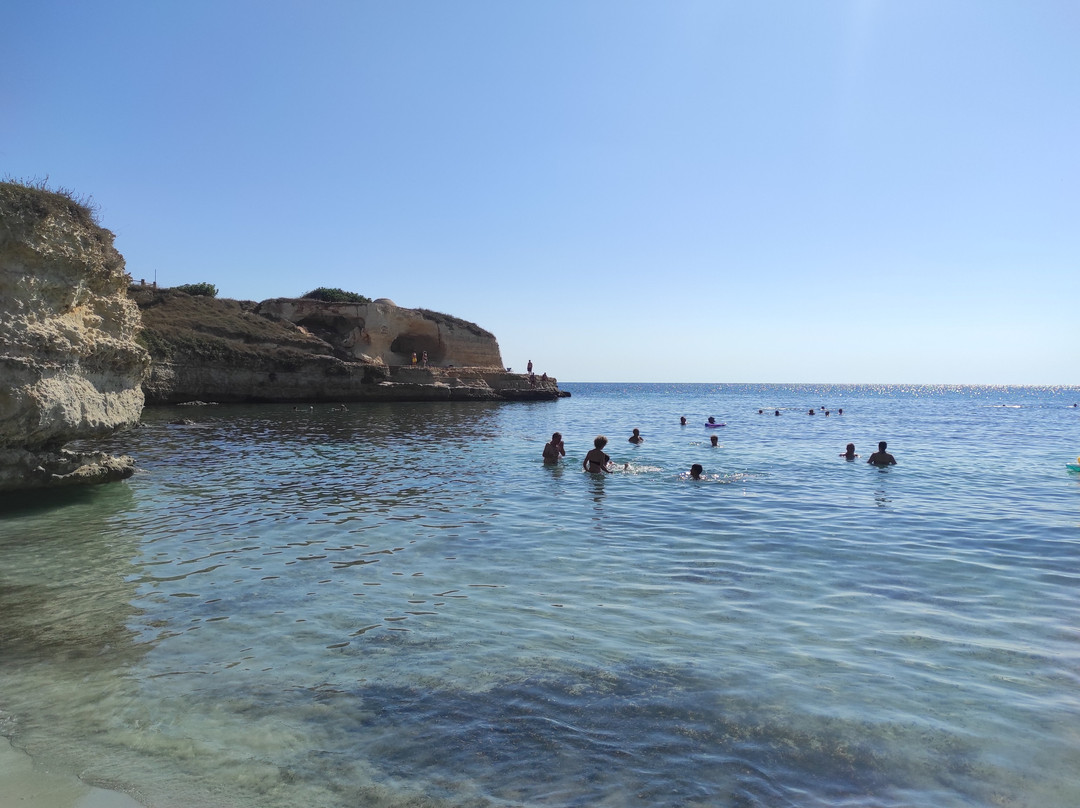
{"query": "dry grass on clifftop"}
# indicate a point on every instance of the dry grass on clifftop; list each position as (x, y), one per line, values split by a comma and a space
(178, 327)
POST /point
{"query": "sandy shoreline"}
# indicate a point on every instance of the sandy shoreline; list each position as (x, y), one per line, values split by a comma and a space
(26, 785)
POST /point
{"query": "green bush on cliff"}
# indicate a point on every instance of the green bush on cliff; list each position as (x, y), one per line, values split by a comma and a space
(198, 289)
(336, 296)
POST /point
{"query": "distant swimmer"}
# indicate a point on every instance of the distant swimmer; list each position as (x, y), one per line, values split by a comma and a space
(811, 412)
(881, 457)
(712, 420)
(695, 471)
(682, 420)
(777, 412)
(554, 449)
(849, 454)
(715, 441)
(636, 437)
(596, 461)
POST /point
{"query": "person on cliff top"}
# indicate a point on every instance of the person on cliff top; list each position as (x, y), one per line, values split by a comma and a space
(881, 457)
(596, 461)
(529, 368)
(554, 449)
(636, 437)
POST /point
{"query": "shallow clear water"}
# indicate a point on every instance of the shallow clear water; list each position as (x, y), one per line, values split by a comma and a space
(400, 605)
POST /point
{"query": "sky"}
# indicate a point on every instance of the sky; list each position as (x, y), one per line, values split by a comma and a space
(842, 191)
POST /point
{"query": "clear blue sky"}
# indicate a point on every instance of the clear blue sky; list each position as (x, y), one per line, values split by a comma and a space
(863, 191)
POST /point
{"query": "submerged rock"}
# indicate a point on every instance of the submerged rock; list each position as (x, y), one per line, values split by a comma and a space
(70, 368)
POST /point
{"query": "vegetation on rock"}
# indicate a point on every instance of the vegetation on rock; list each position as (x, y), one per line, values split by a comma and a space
(328, 295)
(198, 289)
(177, 325)
(37, 198)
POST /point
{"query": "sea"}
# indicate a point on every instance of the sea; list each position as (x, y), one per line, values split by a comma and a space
(401, 605)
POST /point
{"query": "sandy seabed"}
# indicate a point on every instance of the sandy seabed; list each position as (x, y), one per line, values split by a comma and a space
(26, 785)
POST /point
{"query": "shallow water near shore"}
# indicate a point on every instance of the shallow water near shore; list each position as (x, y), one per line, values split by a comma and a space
(399, 605)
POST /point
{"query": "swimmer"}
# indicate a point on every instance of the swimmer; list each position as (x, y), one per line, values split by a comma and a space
(682, 420)
(881, 457)
(849, 454)
(811, 412)
(636, 437)
(777, 412)
(715, 441)
(695, 471)
(712, 420)
(596, 461)
(554, 449)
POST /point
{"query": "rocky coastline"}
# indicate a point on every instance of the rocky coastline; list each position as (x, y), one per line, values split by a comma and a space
(83, 349)
(308, 351)
(70, 367)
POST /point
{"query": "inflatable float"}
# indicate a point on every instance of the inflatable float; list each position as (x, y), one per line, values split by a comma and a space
(714, 424)
(1073, 466)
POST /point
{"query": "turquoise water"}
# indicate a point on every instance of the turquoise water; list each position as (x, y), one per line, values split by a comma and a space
(399, 605)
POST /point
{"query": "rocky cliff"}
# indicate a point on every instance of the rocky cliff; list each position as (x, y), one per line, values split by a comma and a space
(70, 367)
(300, 350)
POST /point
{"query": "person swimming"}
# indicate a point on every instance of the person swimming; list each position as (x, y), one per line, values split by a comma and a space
(596, 461)
(849, 453)
(715, 441)
(636, 437)
(554, 449)
(695, 471)
(881, 457)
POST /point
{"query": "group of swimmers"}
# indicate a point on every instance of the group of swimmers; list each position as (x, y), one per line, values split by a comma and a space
(597, 461)
(878, 458)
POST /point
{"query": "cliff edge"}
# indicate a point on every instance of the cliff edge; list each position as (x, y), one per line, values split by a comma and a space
(70, 367)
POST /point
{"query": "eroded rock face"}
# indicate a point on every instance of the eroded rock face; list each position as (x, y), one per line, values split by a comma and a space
(70, 368)
(383, 332)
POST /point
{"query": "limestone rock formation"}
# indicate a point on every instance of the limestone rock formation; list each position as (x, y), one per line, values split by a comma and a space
(384, 332)
(70, 368)
(303, 350)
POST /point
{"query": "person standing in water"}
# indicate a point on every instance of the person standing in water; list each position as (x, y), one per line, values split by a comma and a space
(596, 461)
(554, 449)
(849, 453)
(881, 457)
(636, 437)
(695, 471)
